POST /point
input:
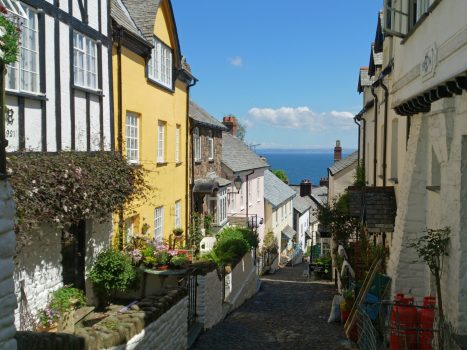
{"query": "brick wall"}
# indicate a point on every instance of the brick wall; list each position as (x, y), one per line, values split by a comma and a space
(202, 168)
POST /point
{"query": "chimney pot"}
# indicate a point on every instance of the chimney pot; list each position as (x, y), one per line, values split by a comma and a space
(337, 151)
(305, 188)
(231, 123)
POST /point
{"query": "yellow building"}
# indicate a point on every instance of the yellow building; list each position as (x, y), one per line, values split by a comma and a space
(151, 93)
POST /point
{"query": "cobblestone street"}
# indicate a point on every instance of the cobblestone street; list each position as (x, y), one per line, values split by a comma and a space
(288, 313)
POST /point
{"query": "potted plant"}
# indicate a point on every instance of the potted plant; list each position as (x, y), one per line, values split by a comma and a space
(48, 320)
(178, 231)
(65, 301)
(179, 261)
(162, 259)
(346, 304)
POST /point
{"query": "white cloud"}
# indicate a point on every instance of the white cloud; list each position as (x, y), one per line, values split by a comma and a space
(302, 118)
(236, 61)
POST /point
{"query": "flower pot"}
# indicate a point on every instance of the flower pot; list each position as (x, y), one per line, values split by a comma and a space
(47, 329)
(228, 268)
(162, 267)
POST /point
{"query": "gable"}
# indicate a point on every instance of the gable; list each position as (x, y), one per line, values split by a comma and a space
(165, 28)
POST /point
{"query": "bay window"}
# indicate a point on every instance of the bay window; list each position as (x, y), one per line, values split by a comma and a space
(160, 64)
(84, 61)
(23, 75)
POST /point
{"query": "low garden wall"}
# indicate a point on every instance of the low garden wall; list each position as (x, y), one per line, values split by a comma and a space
(156, 322)
(209, 303)
(242, 282)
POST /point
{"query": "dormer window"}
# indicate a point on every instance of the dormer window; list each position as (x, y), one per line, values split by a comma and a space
(160, 64)
(402, 16)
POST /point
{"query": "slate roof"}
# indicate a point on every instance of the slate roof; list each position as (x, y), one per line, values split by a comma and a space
(237, 156)
(289, 232)
(276, 192)
(120, 14)
(200, 116)
(302, 204)
(364, 79)
(343, 163)
(313, 212)
(144, 13)
(320, 195)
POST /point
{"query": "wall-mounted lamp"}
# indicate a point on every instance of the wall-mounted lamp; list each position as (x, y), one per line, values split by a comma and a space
(238, 183)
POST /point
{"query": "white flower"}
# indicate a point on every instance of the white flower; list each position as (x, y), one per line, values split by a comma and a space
(65, 208)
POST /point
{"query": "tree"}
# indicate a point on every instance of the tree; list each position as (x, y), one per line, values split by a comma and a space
(241, 131)
(281, 174)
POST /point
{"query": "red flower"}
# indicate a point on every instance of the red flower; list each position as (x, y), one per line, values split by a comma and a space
(3, 9)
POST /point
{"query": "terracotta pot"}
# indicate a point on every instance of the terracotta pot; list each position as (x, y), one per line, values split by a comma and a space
(163, 267)
(47, 329)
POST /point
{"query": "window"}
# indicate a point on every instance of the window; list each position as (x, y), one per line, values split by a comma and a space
(233, 205)
(277, 219)
(242, 199)
(178, 221)
(210, 146)
(249, 192)
(132, 137)
(222, 207)
(23, 75)
(84, 61)
(130, 229)
(158, 223)
(177, 144)
(161, 142)
(282, 212)
(197, 145)
(402, 16)
(160, 64)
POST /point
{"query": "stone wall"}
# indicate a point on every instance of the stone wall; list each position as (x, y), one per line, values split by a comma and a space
(7, 250)
(209, 307)
(204, 166)
(38, 267)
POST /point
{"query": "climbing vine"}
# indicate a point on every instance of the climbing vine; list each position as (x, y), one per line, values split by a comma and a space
(9, 38)
(68, 187)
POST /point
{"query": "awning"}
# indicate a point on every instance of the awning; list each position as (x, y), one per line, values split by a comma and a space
(205, 186)
(288, 232)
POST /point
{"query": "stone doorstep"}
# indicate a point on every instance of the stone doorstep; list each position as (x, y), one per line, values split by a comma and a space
(82, 313)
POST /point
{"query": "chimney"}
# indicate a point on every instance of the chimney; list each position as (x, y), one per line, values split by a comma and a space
(337, 151)
(231, 123)
(305, 188)
(324, 181)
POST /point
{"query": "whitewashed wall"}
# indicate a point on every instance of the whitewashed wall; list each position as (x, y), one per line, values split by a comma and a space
(7, 250)
(209, 299)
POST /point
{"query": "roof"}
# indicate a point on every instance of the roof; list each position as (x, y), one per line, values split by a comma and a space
(199, 115)
(313, 212)
(320, 195)
(120, 14)
(144, 14)
(302, 204)
(376, 60)
(289, 232)
(343, 163)
(276, 192)
(237, 156)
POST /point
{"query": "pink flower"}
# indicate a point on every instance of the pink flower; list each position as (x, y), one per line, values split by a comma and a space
(3, 9)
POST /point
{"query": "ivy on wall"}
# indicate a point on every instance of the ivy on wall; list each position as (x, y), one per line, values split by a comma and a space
(68, 187)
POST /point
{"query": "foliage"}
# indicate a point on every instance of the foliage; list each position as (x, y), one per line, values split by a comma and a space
(195, 232)
(68, 187)
(9, 39)
(307, 252)
(162, 258)
(208, 224)
(48, 317)
(359, 178)
(112, 272)
(270, 244)
(231, 246)
(179, 261)
(250, 236)
(148, 256)
(178, 231)
(281, 174)
(348, 294)
(67, 298)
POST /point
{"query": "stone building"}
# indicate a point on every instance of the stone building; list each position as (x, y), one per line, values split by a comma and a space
(413, 138)
(209, 189)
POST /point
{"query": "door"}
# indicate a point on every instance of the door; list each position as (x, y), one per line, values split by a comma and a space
(73, 255)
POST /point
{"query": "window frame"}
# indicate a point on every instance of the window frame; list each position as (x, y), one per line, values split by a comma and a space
(160, 65)
(161, 141)
(196, 145)
(87, 66)
(159, 223)
(250, 193)
(221, 215)
(18, 67)
(177, 143)
(242, 198)
(127, 137)
(177, 214)
(233, 199)
(210, 146)
(258, 192)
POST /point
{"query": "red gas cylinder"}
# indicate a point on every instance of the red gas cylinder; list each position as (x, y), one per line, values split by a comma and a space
(403, 324)
(426, 317)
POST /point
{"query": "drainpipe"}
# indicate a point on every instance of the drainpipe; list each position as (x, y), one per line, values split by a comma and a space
(359, 132)
(375, 158)
(364, 145)
(189, 181)
(386, 104)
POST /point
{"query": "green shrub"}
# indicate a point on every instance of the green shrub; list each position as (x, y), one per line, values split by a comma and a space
(179, 261)
(67, 298)
(250, 236)
(112, 272)
(230, 247)
(162, 258)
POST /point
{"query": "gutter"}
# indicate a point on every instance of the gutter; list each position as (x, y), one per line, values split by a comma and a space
(385, 144)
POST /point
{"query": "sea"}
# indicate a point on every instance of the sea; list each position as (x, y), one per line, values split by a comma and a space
(301, 164)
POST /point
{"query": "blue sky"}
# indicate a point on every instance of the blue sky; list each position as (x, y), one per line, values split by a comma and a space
(287, 69)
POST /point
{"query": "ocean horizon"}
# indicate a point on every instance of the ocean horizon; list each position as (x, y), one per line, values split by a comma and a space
(301, 164)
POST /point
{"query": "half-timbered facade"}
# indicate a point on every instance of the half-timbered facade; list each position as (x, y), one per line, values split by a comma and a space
(58, 93)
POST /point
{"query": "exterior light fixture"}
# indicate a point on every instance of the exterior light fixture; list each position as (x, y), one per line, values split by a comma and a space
(238, 183)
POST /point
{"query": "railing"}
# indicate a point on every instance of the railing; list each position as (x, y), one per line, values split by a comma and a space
(191, 285)
(243, 220)
(265, 261)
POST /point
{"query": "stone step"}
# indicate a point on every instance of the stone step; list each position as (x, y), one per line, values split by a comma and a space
(82, 313)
